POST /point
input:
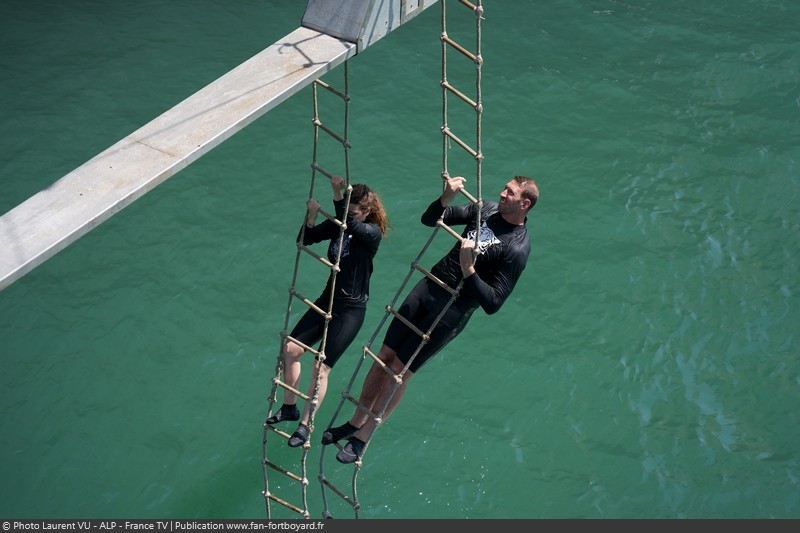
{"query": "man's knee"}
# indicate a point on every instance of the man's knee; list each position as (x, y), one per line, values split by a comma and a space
(396, 365)
(387, 355)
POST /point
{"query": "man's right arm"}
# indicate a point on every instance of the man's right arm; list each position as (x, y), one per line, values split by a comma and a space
(432, 214)
(451, 188)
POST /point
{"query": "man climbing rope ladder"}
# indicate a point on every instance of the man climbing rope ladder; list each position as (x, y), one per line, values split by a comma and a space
(489, 261)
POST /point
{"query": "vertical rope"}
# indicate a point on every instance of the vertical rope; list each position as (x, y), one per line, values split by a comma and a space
(444, 83)
(479, 108)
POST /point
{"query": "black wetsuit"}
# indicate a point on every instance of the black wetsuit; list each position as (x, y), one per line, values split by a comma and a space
(360, 244)
(504, 249)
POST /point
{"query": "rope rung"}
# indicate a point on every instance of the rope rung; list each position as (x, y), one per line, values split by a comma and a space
(472, 57)
(284, 385)
(461, 95)
(405, 321)
(350, 398)
(446, 131)
(341, 494)
(374, 357)
(316, 256)
(332, 90)
(433, 278)
(285, 504)
(385, 368)
(278, 431)
(283, 471)
(449, 230)
(311, 304)
(471, 198)
(303, 345)
(344, 142)
(332, 218)
(318, 168)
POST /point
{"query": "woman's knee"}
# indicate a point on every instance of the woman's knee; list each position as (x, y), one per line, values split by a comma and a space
(322, 369)
(292, 351)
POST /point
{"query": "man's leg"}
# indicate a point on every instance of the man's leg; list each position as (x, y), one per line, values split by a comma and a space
(388, 396)
(370, 424)
(375, 383)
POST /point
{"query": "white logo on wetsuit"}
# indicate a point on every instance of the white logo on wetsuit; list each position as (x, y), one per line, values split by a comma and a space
(487, 238)
(345, 246)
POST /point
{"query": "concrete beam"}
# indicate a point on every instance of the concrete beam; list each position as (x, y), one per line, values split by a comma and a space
(52, 219)
(332, 31)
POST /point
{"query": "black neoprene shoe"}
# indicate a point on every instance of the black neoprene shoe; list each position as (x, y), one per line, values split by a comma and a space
(338, 433)
(299, 437)
(351, 452)
(285, 413)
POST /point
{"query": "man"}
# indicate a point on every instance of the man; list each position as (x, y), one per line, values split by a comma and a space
(489, 261)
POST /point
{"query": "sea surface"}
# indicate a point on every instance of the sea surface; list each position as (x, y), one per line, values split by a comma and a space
(646, 366)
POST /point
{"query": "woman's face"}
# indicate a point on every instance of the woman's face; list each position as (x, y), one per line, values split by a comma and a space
(358, 213)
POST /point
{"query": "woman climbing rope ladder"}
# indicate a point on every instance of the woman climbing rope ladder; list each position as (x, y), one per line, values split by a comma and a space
(489, 261)
(366, 223)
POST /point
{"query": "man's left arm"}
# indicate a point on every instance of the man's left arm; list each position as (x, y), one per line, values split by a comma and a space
(490, 295)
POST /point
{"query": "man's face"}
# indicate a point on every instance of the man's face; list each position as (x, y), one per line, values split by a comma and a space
(511, 201)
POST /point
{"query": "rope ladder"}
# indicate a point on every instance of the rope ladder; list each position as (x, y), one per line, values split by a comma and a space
(473, 153)
(268, 465)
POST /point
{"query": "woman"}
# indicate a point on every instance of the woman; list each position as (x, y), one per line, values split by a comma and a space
(366, 223)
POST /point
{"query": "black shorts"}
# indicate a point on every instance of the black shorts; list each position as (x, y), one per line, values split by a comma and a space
(347, 319)
(421, 307)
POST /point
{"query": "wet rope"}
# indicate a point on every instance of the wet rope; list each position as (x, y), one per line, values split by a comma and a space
(476, 154)
(271, 489)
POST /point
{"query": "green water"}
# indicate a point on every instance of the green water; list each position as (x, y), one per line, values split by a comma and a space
(645, 367)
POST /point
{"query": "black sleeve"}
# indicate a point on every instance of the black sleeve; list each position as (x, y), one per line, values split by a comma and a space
(323, 231)
(326, 229)
(432, 214)
(492, 296)
(453, 214)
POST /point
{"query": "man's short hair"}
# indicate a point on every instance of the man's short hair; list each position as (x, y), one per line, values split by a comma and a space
(529, 189)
